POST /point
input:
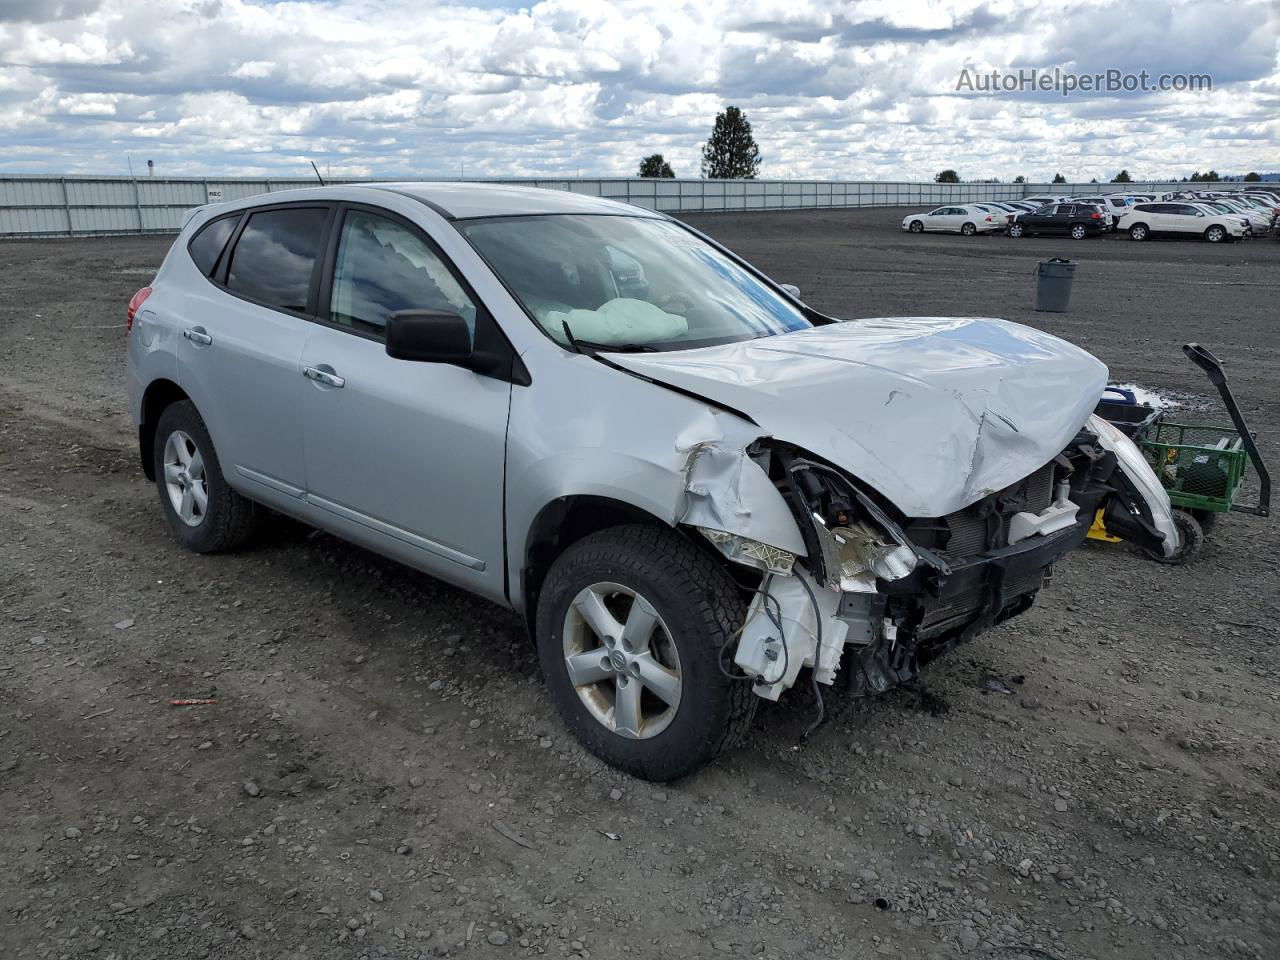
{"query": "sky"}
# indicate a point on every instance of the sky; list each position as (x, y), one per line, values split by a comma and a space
(861, 90)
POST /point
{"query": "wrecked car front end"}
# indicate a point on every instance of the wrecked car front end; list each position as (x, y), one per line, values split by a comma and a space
(875, 596)
(868, 583)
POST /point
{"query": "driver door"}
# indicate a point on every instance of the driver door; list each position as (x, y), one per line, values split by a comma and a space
(405, 457)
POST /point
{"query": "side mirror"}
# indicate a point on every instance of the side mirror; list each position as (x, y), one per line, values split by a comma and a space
(791, 289)
(429, 336)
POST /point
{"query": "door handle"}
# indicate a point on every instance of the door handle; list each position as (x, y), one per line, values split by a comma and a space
(197, 335)
(327, 377)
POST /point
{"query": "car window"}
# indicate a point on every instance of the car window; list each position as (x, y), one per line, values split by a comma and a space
(629, 281)
(206, 246)
(275, 255)
(1063, 209)
(383, 266)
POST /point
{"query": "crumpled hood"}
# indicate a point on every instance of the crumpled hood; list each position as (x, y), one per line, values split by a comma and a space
(933, 412)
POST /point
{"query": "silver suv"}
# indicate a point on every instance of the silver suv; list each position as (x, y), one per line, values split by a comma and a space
(690, 484)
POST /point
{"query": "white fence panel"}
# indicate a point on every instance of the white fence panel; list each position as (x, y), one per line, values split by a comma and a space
(36, 205)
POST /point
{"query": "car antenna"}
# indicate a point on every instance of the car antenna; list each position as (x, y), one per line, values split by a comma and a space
(317, 170)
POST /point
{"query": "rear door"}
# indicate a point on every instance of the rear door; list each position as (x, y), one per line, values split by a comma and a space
(242, 343)
(405, 457)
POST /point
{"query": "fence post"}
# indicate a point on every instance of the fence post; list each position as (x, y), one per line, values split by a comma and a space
(137, 203)
(66, 205)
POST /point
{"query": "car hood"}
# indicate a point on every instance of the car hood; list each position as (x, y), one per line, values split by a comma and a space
(933, 412)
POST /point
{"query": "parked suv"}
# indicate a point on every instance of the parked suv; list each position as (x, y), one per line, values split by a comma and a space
(1180, 219)
(690, 484)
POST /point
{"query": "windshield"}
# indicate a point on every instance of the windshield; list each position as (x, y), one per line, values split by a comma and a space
(629, 281)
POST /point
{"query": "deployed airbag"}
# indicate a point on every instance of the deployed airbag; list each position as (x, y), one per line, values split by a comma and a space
(621, 320)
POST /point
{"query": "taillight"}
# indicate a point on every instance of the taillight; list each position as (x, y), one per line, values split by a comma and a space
(990, 220)
(1097, 216)
(136, 301)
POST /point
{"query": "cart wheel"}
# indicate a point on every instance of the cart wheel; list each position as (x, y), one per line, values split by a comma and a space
(1192, 535)
(1207, 519)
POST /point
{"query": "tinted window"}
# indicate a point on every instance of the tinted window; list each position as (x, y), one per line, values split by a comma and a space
(382, 267)
(1146, 207)
(206, 246)
(273, 260)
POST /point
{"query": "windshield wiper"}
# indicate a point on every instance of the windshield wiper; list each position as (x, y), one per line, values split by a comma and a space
(588, 346)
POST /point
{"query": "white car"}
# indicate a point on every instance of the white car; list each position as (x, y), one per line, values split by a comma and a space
(1146, 220)
(967, 220)
(1255, 221)
(1045, 201)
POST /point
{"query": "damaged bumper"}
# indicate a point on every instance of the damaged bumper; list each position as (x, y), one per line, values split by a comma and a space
(865, 594)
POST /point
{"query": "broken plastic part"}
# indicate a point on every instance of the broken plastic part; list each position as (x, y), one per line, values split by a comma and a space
(1057, 516)
(1135, 467)
(862, 551)
(799, 610)
(751, 552)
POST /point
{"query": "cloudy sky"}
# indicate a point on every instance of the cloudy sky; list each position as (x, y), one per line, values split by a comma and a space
(833, 90)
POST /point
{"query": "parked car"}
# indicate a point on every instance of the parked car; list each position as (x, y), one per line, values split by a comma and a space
(1254, 221)
(1076, 220)
(1046, 201)
(690, 484)
(1180, 219)
(1109, 216)
(966, 220)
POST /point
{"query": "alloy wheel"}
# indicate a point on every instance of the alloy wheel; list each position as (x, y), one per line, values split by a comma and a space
(184, 478)
(622, 661)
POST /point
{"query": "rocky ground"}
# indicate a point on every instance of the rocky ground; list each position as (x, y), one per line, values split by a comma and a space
(382, 776)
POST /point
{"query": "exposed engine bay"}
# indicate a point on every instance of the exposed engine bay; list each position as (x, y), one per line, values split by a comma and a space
(872, 596)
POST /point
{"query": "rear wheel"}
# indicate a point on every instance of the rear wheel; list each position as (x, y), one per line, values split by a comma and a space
(1192, 536)
(968, 229)
(1215, 234)
(1015, 229)
(204, 513)
(630, 625)
(1139, 231)
(916, 227)
(1079, 231)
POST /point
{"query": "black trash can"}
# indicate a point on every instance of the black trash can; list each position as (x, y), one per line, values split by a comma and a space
(1053, 285)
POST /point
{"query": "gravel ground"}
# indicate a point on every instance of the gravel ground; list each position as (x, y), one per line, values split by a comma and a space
(382, 776)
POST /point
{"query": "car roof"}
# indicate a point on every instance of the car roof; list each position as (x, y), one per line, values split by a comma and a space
(460, 201)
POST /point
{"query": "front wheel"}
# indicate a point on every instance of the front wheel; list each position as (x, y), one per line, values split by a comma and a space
(630, 626)
(968, 229)
(204, 513)
(1015, 230)
(1079, 231)
(916, 227)
(1139, 232)
(1215, 234)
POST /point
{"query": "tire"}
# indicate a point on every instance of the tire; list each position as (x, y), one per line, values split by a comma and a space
(1208, 519)
(1215, 234)
(226, 520)
(916, 227)
(1016, 230)
(1079, 231)
(1139, 231)
(698, 609)
(968, 229)
(1192, 535)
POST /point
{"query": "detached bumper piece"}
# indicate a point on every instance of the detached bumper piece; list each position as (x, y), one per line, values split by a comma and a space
(876, 597)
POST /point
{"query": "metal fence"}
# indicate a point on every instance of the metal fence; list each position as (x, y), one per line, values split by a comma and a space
(42, 206)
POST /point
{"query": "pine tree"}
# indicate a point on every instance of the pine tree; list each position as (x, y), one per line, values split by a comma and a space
(731, 152)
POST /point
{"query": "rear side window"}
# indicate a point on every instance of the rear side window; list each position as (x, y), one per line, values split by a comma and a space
(276, 254)
(206, 246)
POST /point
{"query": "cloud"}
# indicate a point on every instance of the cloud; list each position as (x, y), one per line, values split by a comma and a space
(406, 88)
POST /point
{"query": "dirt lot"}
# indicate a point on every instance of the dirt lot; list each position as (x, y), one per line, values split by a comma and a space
(382, 776)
